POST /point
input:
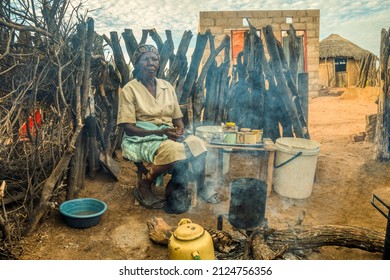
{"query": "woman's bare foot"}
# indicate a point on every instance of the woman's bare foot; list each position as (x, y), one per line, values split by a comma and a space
(143, 193)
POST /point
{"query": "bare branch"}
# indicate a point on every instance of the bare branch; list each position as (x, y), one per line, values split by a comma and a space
(20, 27)
(9, 69)
(8, 44)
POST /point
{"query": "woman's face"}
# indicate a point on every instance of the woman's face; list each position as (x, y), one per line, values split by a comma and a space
(148, 64)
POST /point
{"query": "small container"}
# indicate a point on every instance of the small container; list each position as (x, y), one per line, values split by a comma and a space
(230, 137)
(245, 130)
(259, 134)
(250, 137)
(240, 138)
(230, 127)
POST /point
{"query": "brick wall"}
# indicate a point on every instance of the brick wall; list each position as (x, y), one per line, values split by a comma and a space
(221, 23)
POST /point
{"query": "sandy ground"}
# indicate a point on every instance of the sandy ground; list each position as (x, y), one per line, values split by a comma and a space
(345, 180)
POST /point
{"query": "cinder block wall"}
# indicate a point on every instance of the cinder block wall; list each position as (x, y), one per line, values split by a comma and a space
(223, 22)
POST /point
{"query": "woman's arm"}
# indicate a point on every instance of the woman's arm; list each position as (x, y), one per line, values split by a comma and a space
(132, 130)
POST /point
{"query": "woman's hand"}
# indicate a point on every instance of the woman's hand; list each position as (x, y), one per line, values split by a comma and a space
(175, 134)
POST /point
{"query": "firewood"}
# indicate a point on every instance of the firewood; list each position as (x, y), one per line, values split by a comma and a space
(371, 127)
(199, 84)
(4, 226)
(358, 137)
(283, 89)
(296, 97)
(29, 28)
(308, 237)
(157, 39)
(144, 38)
(159, 230)
(303, 87)
(4, 229)
(76, 175)
(119, 59)
(179, 62)
(272, 99)
(223, 241)
(256, 81)
(262, 251)
(194, 66)
(130, 42)
(165, 54)
(13, 198)
(294, 45)
(2, 189)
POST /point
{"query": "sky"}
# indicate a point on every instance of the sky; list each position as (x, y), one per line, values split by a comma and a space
(360, 22)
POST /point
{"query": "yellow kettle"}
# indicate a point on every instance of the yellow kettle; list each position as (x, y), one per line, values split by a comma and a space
(190, 242)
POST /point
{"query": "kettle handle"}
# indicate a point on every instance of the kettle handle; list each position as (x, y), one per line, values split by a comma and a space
(184, 221)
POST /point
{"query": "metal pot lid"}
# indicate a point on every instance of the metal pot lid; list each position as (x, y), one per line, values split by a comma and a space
(187, 230)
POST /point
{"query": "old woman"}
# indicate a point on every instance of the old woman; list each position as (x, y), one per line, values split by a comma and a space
(150, 116)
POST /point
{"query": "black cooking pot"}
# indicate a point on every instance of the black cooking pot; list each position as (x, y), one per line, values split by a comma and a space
(247, 202)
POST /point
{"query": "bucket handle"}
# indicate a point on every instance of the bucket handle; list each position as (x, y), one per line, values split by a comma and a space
(290, 159)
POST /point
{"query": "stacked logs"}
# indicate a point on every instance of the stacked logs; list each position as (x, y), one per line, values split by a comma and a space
(267, 89)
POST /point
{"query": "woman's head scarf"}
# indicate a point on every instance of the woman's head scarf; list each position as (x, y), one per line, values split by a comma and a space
(143, 49)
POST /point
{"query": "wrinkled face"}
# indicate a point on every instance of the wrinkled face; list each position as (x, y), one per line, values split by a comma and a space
(148, 63)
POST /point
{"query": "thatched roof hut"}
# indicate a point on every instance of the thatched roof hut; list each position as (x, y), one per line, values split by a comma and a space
(341, 63)
(336, 46)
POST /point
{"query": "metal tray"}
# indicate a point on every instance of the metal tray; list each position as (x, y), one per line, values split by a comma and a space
(257, 145)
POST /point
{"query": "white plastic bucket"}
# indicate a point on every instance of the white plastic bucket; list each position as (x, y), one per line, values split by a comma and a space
(295, 166)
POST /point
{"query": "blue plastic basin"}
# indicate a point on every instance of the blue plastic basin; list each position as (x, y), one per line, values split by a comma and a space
(82, 212)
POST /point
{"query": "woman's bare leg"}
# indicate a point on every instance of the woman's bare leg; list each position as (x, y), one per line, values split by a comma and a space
(145, 186)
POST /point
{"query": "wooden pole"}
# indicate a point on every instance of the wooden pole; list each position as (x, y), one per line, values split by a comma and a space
(165, 51)
(157, 39)
(130, 42)
(179, 60)
(303, 89)
(194, 66)
(291, 83)
(294, 44)
(383, 116)
(119, 59)
(283, 89)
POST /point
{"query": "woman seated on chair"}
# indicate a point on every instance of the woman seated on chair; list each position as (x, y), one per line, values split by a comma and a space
(151, 118)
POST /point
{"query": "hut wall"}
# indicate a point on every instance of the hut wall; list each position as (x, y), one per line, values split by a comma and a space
(326, 73)
(222, 23)
(328, 77)
(352, 72)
